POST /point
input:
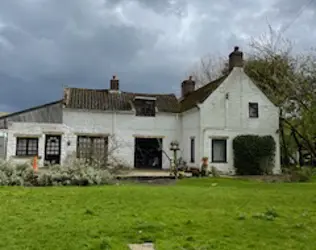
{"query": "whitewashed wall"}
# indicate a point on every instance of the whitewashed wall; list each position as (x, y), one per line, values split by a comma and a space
(125, 126)
(225, 114)
(191, 128)
(38, 130)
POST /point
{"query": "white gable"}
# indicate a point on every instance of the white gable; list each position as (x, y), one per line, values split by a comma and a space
(227, 107)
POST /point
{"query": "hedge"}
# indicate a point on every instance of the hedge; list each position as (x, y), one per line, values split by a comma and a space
(253, 154)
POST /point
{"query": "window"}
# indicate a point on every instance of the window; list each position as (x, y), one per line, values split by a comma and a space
(26, 146)
(219, 150)
(253, 110)
(92, 148)
(145, 107)
(192, 150)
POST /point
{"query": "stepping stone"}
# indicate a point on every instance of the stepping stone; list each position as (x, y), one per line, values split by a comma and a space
(145, 246)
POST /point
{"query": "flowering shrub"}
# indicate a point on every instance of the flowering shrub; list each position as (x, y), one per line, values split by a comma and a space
(75, 173)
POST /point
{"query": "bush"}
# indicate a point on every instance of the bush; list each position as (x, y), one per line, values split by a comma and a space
(254, 155)
(215, 172)
(17, 174)
(77, 173)
(298, 174)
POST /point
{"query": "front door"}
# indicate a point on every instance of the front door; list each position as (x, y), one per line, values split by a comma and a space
(52, 149)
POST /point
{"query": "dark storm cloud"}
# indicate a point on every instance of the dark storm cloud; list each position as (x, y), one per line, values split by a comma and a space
(150, 45)
(42, 50)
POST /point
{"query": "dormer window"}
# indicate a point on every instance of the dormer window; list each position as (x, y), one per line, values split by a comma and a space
(145, 106)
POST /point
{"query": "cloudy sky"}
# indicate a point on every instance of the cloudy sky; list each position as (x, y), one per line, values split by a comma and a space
(150, 44)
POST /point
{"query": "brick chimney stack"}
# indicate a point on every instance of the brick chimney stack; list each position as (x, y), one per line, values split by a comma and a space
(114, 83)
(187, 87)
(236, 58)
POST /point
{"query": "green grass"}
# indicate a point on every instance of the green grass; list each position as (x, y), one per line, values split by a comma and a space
(194, 214)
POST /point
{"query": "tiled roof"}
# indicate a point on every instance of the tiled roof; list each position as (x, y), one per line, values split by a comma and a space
(104, 99)
(200, 95)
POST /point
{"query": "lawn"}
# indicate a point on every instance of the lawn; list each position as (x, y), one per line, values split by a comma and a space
(193, 214)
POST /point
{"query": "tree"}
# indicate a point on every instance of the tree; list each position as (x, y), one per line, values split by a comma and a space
(289, 81)
(208, 68)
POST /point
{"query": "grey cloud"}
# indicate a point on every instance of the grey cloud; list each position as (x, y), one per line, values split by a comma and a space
(292, 8)
(160, 6)
(46, 44)
(49, 49)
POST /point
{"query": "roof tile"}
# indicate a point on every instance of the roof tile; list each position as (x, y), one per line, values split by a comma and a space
(200, 95)
(103, 99)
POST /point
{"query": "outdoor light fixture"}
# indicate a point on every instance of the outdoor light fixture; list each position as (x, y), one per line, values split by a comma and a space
(174, 146)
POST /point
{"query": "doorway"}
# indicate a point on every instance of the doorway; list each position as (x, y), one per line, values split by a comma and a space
(52, 149)
(148, 153)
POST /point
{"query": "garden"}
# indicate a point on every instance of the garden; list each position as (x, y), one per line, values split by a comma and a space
(195, 213)
(51, 209)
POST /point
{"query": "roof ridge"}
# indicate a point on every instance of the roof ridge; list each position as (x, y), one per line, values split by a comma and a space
(84, 88)
(126, 92)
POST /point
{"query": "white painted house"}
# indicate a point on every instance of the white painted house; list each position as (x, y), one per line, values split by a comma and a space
(88, 122)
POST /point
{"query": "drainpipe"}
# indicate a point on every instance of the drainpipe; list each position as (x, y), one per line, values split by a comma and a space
(113, 122)
(114, 137)
(201, 122)
(226, 109)
(179, 132)
(241, 102)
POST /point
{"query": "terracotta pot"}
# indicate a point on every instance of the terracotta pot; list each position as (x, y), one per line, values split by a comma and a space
(205, 160)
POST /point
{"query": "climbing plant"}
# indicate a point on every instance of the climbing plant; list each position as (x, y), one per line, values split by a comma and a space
(253, 154)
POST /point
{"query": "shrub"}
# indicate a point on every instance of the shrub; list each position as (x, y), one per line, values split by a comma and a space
(299, 174)
(16, 174)
(253, 155)
(215, 172)
(77, 173)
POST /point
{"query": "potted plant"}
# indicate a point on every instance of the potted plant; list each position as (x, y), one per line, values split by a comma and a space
(204, 167)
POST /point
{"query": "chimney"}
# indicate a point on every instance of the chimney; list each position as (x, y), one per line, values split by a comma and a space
(187, 86)
(236, 59)
(66, 97)
(114, 83)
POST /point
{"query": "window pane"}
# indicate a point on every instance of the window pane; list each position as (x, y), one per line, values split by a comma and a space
(219, 150)
(32, 146)
(21, 147)
(27, 146)
(99, 149)
(192, 156)
(84, 147)
(253, 109)
(92, 148)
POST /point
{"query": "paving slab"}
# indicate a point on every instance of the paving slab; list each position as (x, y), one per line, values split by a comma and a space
(145, 246)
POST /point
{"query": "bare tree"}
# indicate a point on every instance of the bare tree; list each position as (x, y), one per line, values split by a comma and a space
(208, 68)
(289, 81)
